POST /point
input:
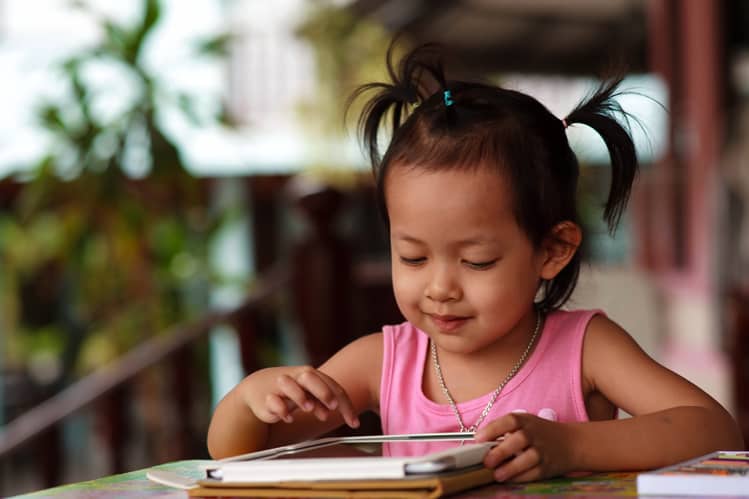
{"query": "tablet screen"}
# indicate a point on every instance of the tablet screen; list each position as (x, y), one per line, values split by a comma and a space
(335, 458)
(371, 449)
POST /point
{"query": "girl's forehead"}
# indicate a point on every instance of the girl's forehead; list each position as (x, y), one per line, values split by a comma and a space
(451, 195)
(460, 180)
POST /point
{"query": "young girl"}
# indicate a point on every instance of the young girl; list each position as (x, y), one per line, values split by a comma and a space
(477, 187)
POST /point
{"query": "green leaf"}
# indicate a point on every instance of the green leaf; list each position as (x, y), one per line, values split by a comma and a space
(151, 16)
(187, 106)
(50, 117)
(215, 45)
(225, 117)
(117, 39)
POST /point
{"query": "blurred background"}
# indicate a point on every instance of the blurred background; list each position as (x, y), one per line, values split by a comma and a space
(181, 202)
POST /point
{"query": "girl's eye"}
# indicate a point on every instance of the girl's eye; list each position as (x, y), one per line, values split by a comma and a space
(412, 261)
(480, 265)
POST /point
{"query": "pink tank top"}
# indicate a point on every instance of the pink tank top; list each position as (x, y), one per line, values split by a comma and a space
(548, 384)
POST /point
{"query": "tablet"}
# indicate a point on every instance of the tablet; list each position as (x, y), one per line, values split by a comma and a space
(353, 458)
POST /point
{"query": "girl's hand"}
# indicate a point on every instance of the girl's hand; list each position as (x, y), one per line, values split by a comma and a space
(532, 448)
(273, 394)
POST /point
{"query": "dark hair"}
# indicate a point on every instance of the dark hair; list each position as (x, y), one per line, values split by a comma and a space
(486, 125)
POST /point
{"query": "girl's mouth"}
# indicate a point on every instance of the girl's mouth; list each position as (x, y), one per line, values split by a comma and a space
(447, 323)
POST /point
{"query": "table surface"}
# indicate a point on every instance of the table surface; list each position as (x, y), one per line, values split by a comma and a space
(135, 485)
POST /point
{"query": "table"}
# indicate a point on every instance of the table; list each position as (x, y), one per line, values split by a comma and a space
(135, 485)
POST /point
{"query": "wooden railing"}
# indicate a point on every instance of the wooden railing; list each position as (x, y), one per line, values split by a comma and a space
(45, 418)
(333, 297)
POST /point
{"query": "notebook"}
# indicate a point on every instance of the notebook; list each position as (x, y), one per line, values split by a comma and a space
(721, 473)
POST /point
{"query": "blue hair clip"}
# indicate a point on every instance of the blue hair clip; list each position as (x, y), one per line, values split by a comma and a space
(448, 96)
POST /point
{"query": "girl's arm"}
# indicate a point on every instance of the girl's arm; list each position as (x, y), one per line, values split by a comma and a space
(281, 405)
(672, 419)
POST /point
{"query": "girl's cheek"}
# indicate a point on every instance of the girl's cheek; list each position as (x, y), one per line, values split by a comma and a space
(398, 286)
(402, 293)
(406, 289)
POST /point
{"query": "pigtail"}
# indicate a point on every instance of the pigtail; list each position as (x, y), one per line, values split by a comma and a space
(406, 90)
(600, 111)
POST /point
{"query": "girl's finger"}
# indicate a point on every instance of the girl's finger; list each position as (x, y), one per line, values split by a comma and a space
(328, 392)
(531, 475)
(512, 445)
(499, 427)
(497, 455)
(345, 406)
(277, 408)
(317, 387)
(516, 442)
(523, 468)
(295, 393)
(321, 412)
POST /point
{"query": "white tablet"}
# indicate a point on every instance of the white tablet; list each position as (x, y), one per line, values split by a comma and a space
(353, 458)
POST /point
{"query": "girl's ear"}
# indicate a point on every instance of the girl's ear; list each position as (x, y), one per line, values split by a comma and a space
(559, 247)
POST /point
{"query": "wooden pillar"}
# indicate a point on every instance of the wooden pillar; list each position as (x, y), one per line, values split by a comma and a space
(245, 325)
(183, 385)
(321, 267)
(687, 48)
(685, 44)
(702, 130)
(50, 456)
(658, 201)
(113, 423)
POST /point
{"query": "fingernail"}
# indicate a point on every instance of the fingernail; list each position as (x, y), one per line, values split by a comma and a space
(355, 423)
(333, 404)
(308, 406)
(500, 475)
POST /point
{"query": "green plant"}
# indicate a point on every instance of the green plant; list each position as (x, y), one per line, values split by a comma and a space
(349, 51)
(107, 242)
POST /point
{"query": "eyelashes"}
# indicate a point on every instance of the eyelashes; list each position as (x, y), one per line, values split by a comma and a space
(412, 262)
(481, 265)
(416, 262)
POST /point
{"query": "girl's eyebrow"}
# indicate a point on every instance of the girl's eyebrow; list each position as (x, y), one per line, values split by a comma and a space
(475, 241)
(406, 238)
(471, 241)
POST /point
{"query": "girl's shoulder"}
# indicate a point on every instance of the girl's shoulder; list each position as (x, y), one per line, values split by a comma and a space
(576, 313)
(609, 350)
(364, 353)
(573, 323)
(368, 344)
(601, 331)
(593, 327)
(358, 367)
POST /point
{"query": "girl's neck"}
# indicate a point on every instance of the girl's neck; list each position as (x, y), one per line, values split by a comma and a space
(507, 347)
(475, 374)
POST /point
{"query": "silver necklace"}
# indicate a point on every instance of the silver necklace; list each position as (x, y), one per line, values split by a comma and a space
(495, 394)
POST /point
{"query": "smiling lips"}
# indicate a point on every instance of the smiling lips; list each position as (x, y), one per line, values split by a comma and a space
(447, 323)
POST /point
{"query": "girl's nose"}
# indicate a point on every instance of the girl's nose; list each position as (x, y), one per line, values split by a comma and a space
(442, 287)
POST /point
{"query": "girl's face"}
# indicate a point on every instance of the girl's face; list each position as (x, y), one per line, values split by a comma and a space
(463, 270)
